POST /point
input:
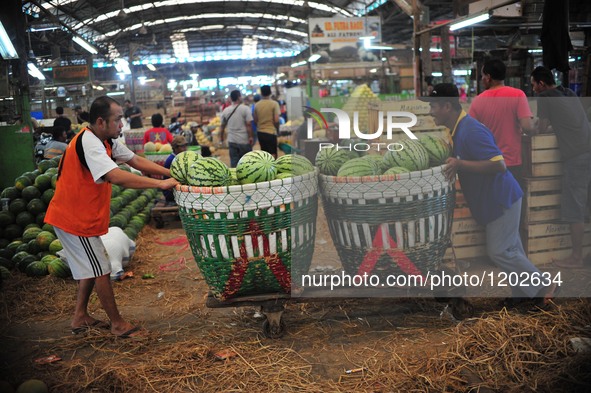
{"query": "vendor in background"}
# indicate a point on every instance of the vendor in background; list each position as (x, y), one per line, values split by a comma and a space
(133, 114)
(256, 98)
(266, 117)
(157, 133)
(179, 144)
(61, 120)
(81, 116)
(191, 137)
(175, 124)
(56, 146)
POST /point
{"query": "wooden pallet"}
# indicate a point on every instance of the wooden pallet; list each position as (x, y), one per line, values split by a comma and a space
(541, 156)
(541, 200)
(161, 213)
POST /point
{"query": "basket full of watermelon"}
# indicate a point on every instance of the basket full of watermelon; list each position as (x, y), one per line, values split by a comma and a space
(388, 213)
(251, 228)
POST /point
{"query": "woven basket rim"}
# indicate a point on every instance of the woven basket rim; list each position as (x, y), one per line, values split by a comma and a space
(383, 178)
(246, 187)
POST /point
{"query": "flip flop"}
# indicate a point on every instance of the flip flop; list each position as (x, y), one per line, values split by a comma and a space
(129, 333)
(95, 324)
(544, 303)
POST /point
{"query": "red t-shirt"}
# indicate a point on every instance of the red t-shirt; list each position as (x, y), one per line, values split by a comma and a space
(158, 134)
(500, 110)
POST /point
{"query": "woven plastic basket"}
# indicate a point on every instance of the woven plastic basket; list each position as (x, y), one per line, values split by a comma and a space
(158, 158)
(134, 139)
(389, 224)
(251, 239)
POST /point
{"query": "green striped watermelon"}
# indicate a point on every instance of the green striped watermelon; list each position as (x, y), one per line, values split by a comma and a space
(413, 156)
(59, 268)
(293, 164)
(437, 148)
(181, 164)
(358, 167)
(283, 175)
(396, 170)
(379, 159)
(209, 172)
(36, 269)
(330, 160)
(256, 166)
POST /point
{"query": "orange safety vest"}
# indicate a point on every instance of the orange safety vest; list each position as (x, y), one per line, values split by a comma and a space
(79, 206)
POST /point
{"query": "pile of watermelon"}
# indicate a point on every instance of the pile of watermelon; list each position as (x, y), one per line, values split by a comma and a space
(256, 166)
(30, 246)
(416, 155)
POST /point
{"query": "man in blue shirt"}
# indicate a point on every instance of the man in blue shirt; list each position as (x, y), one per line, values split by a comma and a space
(492, 193)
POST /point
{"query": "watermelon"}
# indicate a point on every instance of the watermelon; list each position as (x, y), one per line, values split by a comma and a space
(17, 205)
(59, 268)
(53, 181)
(48, 228)
(10, 193)
(377, 159)
(40, 219)
(6, 218)
(55, 246)
(13, 246)
(36, 269)
(413, 156)
(115, 190)
(130, 232)
(24, 218)
(45, 165)
(48, 258)
(7, 263)
(234, 181)
(21, 182)
(30, 192)
(22, 260)
(32, 386)
(47, 196)
(209, 172)
(283, 175)
(12, 231)
(358, 167)
(396, 170)
(23, 247)
(330, 160)
(51, 171)
(181, 164)
(293, 164)
(36, 206)
(256, 166)
(33, 248)
(438, 148)
(5, 273)
(44, 239)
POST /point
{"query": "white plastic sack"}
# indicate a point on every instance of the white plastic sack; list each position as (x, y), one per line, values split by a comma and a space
(120, 249)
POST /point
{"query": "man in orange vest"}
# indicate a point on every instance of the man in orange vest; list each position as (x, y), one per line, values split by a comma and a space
(80, 209)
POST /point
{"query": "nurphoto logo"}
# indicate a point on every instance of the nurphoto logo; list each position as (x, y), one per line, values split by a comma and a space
(394, 122)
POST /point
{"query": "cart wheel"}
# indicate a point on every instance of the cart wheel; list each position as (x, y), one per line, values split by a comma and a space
(461, 308)
(273, 330)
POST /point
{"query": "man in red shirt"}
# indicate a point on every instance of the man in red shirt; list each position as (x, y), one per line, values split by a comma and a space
(505, 111)
(158, 133)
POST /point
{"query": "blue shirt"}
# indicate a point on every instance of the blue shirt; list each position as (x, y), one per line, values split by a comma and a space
(488, 195)
(168, 193)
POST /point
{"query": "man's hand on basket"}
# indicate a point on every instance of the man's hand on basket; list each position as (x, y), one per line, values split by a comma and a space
(167, 184)
(452, 165)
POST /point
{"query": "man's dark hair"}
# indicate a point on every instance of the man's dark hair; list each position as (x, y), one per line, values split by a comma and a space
(101, 107)
(235, 95)
(157, 120)
(495, 68)
(59, 110)
(127, 101)
(57, 132)
(266, 90)
(542, 74)
(173, 119)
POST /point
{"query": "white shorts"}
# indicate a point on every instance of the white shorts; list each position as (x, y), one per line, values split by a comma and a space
(86, 256)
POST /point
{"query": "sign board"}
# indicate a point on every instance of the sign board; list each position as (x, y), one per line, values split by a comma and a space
(71, 74)
(338, 39)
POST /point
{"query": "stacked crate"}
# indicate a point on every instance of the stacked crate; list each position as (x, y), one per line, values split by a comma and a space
(544, 237)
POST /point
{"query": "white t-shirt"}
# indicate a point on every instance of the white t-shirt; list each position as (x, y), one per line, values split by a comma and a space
(236, 126)
(96, 156)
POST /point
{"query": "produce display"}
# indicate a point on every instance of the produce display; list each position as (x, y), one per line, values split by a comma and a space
(358, 102)
(256, 166)
(30, 246)
(416, 155)
(157, 147)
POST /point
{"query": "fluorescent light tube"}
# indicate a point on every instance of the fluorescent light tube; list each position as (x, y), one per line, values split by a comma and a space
(314, 58)
(85, 45)
(469, 22)
(7, 50)
(34, 71)
(151, 67)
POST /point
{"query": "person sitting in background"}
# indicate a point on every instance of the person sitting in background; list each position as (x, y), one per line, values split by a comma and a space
(157, 133)
(179, 145)
(81, 116)
(54, 147)
(61, 120)
(175, 124)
